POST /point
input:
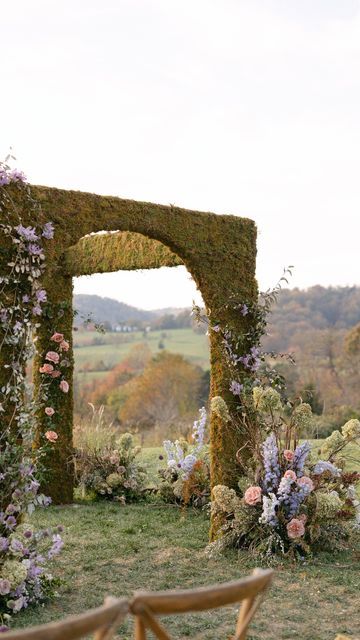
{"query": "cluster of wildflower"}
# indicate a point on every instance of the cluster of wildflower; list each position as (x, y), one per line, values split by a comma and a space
(112, 474)
(24, 577)
(175, 453)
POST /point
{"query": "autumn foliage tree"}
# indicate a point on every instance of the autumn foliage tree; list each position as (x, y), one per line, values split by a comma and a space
(166, 393)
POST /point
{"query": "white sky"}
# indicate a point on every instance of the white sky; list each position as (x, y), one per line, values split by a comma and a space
(248, 107)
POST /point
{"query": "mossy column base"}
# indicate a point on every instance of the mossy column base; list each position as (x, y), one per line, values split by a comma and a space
(58, 317)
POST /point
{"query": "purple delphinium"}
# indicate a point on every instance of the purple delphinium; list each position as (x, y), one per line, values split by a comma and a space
(270, 454)
(300, 455)
(323, 465)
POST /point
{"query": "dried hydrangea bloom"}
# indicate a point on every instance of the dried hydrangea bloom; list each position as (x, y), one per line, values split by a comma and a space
(327, 505)
(267, 400)
(302, 416)
(331, 444)
(351, 429)
(225, 498)
(219, 407)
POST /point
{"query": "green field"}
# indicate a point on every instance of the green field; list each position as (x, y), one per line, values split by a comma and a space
(111, 348)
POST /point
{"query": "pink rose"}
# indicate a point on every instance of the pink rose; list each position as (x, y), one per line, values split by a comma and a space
(288, 455)
(55, 374)
(252, 495)
(52, 436)
(52, 356)
(295, 528)
(49, 411)
(64, 346)
(290, 474)
(46, 368)
(64, 386)
(306, 482)
(57, 337)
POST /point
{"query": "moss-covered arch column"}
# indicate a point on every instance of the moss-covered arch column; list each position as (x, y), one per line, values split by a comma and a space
(218, 250)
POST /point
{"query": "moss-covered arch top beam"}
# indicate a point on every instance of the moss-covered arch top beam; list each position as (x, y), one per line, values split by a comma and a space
(219, 251)
(106, 252)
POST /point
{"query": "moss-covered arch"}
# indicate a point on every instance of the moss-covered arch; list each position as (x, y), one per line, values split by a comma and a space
(219, 251)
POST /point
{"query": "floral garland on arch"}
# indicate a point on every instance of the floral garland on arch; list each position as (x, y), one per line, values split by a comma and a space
(287, 502)
(24, 551)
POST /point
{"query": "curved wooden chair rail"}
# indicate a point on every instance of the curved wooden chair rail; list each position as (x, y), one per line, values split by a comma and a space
(146, 606)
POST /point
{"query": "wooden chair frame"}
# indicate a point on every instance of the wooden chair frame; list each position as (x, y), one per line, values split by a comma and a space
(102, 621)
(145, 605)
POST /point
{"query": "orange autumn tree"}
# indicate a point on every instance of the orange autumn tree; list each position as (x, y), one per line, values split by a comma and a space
(164, 394)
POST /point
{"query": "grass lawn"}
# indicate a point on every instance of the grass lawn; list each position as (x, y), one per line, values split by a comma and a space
(113, 549)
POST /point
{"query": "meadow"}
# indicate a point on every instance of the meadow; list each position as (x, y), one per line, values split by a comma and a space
(111, 348)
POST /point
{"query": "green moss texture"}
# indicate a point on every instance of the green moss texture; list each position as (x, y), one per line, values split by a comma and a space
(219, 251)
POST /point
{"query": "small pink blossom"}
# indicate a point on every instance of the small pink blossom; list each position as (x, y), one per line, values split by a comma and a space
(252, 495)
(295, 528)
(64, 346)
(57, 337)
(305, 481)
(52, 356)
(55, 374)
(46, 368)
(52, 436)
(290, 475)
(64, 386)
(49, 411)
(288, 455)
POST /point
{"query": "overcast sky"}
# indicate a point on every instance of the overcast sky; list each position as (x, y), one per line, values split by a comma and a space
(248, 107)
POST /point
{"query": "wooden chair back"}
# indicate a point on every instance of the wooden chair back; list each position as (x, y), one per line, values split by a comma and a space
(146, 606)
(102, 622)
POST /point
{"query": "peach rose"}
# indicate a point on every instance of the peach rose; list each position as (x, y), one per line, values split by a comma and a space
(288, 455)
(52, 356)
(57, 337)
(55, 374)
(64, 386)
(252, 495)
(307, 482)
(46, 368)
(52, 436)
(295, 528)
(49, 411)
(290, 474)
(64, 346)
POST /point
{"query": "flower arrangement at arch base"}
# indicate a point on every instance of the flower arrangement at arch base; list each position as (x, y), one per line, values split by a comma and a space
(289, 502)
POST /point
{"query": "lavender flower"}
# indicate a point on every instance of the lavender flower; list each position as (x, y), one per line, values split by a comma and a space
(198, 433)
(4, 544)
(37, 311)
(34, 249)
(244, 309)
(41, 295)
(48, 231)
(323, 466)
(10, 522)
(270, 454)
(236, 388)
(300, 455)
(27, 233)
(5, 587)
(4, 178)
(56, 546)
(17, 176)
(26, 298)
